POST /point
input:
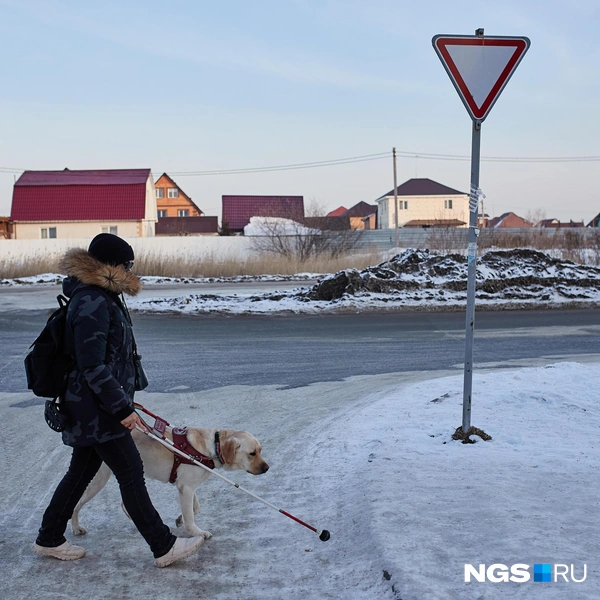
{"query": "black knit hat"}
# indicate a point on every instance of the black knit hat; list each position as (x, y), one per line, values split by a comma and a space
(110, 249)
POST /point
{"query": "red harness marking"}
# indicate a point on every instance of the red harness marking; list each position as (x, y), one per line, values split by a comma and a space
(181, 442)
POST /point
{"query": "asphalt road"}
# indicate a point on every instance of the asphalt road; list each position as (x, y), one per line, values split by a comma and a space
(192, 353)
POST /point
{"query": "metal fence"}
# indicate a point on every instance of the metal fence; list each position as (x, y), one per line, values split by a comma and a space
(456, 239)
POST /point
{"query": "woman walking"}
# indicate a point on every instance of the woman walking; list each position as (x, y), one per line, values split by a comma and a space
(99, 401)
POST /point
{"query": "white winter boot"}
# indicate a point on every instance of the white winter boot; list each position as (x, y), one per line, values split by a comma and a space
(63, 552)
(182, 548)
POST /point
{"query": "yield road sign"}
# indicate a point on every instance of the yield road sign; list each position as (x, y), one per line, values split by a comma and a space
(480, 67)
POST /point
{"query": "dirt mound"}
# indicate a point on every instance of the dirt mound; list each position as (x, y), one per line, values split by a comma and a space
(518, 274)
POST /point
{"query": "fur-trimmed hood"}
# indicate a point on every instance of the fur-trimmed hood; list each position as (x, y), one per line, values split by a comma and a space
(78, 263)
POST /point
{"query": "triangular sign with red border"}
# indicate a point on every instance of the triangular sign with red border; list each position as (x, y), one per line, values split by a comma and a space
(480, 67)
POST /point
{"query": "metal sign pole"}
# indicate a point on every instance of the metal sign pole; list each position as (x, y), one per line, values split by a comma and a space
(472, 272)
(479, 68)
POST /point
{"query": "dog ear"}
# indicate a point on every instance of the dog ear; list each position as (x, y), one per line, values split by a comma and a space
(228, 450)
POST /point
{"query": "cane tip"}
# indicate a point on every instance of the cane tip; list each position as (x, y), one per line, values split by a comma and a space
(325, 535)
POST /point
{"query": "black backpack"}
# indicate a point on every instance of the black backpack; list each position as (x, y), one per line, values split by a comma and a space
(48, 364)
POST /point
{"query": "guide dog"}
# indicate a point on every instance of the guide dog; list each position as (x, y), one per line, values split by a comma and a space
(239, 450)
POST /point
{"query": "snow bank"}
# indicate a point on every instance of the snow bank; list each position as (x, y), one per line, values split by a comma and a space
(266, 226)
(417, 279)
(57, 278)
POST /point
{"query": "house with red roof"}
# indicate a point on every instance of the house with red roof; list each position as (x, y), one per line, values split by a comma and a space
(338, 212)
(426, 202)
(237, 210)
(81, 204)
(508, 220)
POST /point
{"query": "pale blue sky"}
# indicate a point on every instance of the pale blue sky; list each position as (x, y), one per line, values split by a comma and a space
(186, 85)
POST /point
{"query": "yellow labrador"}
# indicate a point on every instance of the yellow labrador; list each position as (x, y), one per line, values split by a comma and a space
(239, 451)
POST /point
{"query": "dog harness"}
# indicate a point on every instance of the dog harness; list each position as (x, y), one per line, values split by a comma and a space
(181, 442)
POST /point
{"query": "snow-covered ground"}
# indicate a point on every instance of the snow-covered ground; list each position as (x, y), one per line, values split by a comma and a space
(413, 279)
(56, 278)
(407, 506)
(410, 280)
(530, 495)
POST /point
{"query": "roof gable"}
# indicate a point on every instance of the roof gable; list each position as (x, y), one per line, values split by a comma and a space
(508, 220)
(339, 211)
(170, 180)
(423, 187)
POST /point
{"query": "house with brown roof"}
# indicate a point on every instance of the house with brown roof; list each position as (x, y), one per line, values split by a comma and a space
(423, 201)
(81, 204)
(508, 220)
(237, 210)
(556, 224)
(172, 201)
(362, 216)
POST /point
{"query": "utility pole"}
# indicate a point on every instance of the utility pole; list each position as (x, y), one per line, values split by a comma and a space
(395, 196)
(482, 226)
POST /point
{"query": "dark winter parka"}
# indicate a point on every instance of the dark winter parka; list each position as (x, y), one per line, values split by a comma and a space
(100, 387)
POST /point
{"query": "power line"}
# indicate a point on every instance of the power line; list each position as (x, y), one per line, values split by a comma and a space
(359, 159)
(310, 165)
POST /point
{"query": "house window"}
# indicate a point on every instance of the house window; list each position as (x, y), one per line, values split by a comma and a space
(48, 232)
(183, 213)
(162, 213)
(173, 193)
(448, 204)
(110, 229)
(160, 193)
(402, 204)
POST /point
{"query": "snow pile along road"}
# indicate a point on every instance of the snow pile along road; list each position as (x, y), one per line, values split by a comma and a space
(417, 279)
(57, 278)
(519, 274)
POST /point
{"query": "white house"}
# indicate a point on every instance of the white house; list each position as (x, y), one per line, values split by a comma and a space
(423, 203)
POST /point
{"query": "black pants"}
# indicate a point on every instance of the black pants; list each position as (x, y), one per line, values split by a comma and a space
(123, 459)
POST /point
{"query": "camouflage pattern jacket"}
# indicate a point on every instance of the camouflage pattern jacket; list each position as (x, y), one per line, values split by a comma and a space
(100, 387)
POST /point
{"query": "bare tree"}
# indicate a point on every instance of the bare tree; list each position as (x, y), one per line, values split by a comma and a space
(315, 208)
(535, 216)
